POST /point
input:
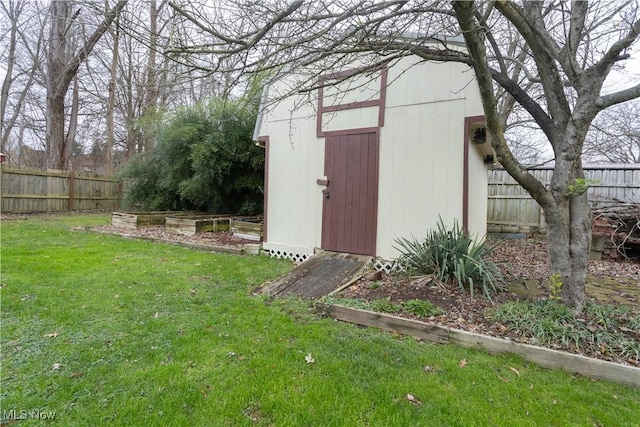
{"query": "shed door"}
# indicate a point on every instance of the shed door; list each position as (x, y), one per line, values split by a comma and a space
(350, 208)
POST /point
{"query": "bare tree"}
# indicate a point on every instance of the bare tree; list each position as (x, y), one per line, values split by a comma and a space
(554, 68)
(62, 68)
(114, 32)
(615, 135)
(22, 57)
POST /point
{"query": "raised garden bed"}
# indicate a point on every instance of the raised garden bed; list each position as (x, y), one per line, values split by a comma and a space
(249, 228)
(142, 219)
(194, 224)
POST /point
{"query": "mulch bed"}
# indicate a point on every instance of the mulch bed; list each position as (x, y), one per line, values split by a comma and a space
(527, 261)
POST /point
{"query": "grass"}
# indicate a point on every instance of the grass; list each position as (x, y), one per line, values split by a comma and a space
(101, 330)
(416, 307)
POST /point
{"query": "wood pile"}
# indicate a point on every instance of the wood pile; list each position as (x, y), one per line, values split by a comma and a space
(616, 230)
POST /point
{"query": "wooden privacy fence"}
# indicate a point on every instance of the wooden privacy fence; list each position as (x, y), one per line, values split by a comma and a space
(25, 190)
(511, 209)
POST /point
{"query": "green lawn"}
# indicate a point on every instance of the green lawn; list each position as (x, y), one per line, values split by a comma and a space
(100, 330)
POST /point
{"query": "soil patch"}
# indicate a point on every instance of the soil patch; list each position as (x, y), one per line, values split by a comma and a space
(223, 239)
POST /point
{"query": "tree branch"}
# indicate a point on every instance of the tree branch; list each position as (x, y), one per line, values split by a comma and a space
(614, 53)
(618, 97)
(477, 51)
(545, 54)
(85, 50)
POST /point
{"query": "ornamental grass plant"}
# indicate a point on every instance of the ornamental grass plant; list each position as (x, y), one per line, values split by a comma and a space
(452, 256)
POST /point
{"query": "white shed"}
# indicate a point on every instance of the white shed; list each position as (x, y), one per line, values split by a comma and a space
(364, 158)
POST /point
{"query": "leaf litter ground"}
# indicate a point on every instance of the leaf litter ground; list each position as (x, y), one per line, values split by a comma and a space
(608, 283)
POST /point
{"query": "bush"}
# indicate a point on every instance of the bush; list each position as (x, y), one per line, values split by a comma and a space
(453, 256)
(204, 158)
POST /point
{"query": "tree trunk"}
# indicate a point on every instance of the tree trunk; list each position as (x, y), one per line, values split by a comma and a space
(111, 103)
(565, 202)
(70, 138)
(57, 57)
(568, 246)
(62, 68)
(151, 96)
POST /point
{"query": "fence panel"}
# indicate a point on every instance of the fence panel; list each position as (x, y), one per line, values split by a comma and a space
(25, 190)
(511, 209)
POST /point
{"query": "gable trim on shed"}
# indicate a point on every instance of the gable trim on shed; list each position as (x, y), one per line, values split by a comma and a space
(263, 141)
(470, 123)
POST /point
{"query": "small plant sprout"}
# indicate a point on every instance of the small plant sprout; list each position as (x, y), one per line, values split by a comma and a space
(580, 185)
(555, 287)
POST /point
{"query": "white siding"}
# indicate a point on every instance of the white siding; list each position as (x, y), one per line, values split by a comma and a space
(296, 160)
(478, 183)
(422, 153)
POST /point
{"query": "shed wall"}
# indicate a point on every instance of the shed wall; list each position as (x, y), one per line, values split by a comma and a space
(296, 161)
(422, 153)
(421, 158)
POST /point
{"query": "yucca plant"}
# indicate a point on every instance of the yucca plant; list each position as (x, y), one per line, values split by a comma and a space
(453, 256)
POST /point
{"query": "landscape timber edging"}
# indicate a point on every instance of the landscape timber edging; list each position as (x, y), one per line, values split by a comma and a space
(548, 358)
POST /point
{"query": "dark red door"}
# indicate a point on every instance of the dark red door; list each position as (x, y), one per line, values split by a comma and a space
(350, 208)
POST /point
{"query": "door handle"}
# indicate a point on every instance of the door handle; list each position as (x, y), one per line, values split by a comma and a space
(326, 193)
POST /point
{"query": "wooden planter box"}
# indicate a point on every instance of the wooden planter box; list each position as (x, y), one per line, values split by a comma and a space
(249, 228)
(142, 219)
(190, 225)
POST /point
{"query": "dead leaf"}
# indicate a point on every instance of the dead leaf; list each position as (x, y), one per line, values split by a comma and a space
(193, 292)
(309, 359)
(205, 391)
(531, 387)
(411, 398)
(422, 280)
(76, 374)
(504, 380)
(155, 316)
(462, 363)
(56, 366)
(515, 371)
(51, 335)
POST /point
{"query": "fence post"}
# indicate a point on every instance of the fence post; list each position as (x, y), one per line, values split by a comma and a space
(119, 190)
(71, 190)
